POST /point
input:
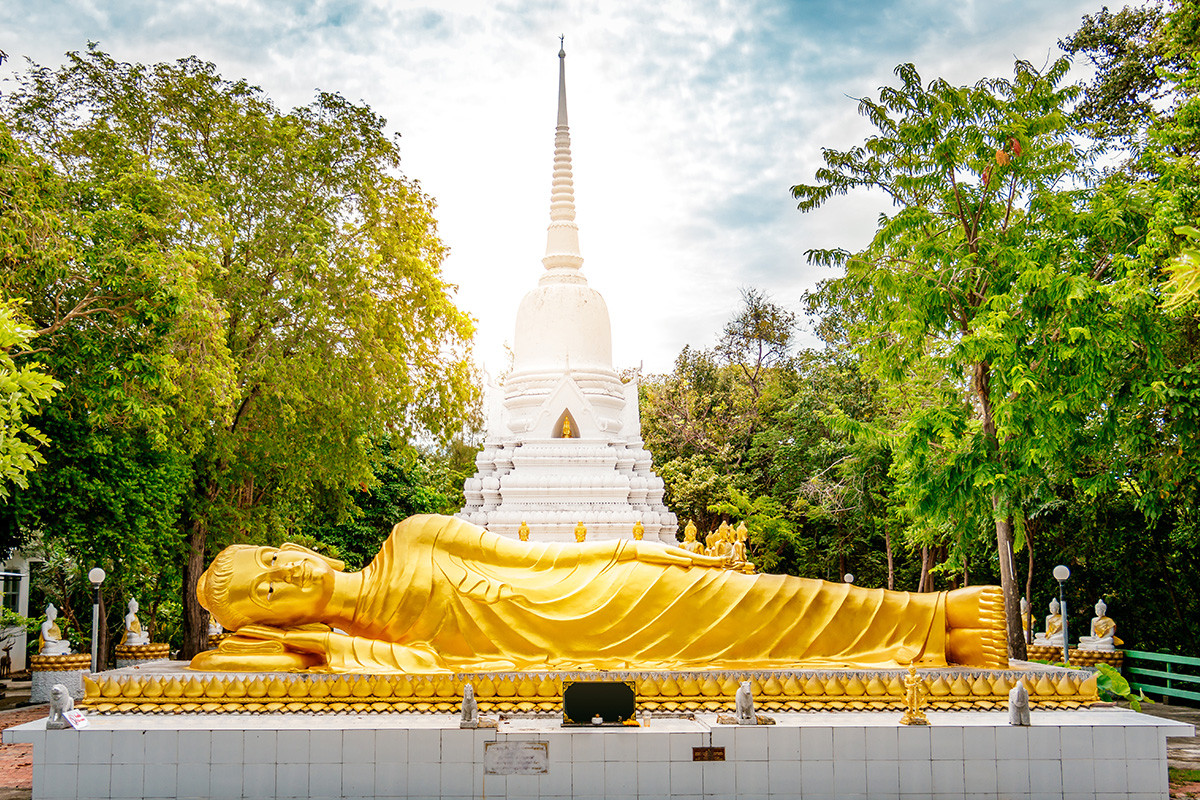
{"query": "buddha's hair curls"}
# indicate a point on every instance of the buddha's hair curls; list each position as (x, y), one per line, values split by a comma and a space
(213, 588)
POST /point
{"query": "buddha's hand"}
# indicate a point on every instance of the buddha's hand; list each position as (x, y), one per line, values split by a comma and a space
(305, 639)
(675, 556)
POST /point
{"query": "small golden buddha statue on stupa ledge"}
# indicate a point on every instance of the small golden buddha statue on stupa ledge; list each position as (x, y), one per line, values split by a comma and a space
(444, 595)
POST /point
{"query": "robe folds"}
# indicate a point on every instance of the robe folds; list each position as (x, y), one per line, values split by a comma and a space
(444, 594)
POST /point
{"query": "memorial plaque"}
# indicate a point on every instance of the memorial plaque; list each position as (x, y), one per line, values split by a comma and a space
(708, 754)
(516, 758)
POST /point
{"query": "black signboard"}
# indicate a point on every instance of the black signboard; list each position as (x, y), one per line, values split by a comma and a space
(612, 701)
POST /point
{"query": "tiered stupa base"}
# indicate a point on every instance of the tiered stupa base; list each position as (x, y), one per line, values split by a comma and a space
(133, 655)
(46, 671)
(172, 688)
(552, 485)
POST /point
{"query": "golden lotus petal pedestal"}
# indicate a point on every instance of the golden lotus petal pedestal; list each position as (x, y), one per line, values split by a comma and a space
(169, 687)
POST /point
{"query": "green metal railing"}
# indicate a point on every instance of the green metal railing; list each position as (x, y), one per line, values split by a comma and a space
(1169, 673)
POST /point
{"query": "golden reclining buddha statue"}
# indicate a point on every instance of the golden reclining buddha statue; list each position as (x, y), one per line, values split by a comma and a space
(444, 595)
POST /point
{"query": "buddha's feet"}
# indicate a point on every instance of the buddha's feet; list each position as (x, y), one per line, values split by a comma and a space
(976, 632)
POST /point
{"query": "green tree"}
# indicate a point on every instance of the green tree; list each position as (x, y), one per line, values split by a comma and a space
(316, 262)
(22, 390)
(990, 304)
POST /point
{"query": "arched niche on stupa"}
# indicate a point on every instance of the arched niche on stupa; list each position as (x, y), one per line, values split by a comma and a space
(566, 427)
(567, 398)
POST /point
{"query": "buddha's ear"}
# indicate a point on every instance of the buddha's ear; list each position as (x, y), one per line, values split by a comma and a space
(340, 566)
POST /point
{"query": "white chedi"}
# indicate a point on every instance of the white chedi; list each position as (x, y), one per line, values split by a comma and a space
(1053, 635)
(134, 633)
(1103, 636)
(53, 643)
(564, 442)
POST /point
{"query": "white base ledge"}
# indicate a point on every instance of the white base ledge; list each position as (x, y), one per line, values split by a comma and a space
(1098, 753)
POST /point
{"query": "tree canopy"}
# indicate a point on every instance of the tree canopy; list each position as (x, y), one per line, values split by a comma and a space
(254, 293)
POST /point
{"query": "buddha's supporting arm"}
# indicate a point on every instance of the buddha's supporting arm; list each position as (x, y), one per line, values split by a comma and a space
(340, 652)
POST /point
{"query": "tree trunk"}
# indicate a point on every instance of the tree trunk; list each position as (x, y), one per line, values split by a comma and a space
(1030, 530)
(1008, 584)
(195, 628)
(923, 581)
(887, 543)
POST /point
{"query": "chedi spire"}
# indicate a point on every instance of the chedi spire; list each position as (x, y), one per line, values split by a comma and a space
(562, 259)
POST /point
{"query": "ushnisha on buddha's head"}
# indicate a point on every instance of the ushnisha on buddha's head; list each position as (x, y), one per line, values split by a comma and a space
(282, 586)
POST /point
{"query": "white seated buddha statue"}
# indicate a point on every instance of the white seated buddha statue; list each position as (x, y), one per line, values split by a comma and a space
(53, 643)
(1053, 635)
(134, 633)
(1103, 637)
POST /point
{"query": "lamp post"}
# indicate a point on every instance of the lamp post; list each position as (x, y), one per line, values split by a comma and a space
(96, 576)
(1061, 573)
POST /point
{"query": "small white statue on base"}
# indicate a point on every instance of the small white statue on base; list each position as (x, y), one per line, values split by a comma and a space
(214, 627)
(1053, 635)
(53, 643)
(134, 635)
(60, 703)
(744, 705)
(1104, 631)
(470, 709)
(1018, 705)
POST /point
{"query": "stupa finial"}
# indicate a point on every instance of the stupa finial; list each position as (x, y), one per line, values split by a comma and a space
(562, 258)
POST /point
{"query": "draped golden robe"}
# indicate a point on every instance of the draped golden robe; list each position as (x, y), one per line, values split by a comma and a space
(446, 594)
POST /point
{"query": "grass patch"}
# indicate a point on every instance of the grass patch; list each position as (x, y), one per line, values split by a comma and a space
(1183, 775)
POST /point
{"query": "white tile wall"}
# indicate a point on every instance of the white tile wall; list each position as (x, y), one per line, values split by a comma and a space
(1101, 753)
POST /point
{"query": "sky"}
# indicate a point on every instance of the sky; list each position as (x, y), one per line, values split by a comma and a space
(690, 121)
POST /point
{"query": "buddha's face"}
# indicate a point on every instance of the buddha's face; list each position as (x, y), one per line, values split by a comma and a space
(280, 587)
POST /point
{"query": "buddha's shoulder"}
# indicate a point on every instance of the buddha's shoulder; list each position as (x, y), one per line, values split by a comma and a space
(433, 530)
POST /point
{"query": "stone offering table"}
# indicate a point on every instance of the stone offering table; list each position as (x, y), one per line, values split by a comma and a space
(1104, 752)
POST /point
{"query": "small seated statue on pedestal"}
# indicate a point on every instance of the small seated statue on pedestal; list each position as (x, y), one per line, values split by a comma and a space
(52, 641)
(134, 635)
(1053, 635)
(738, 556)
(580, 531)
(639, 531)
(523, 531)
(689, 542)
(1104, 630)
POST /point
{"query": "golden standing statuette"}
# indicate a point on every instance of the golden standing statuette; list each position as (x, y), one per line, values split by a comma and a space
(566, 431)
(580, 531)
(915, 694)
(639, 530)
(523, 531)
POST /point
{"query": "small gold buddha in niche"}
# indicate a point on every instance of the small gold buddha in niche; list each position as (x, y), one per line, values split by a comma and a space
(580, 531)
(566, 428)
(639, 530)
(523, 531)
(446, 595)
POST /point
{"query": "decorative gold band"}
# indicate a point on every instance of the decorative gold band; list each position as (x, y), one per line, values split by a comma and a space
(542, 692)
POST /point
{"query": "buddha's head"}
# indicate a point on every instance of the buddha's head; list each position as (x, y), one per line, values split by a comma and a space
(282, 586)
(1054, 607)
(1101, 608)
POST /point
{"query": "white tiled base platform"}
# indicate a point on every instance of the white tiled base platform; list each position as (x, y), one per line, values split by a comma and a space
(1098, 753)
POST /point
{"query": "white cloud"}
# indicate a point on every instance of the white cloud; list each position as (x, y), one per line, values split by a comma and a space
(690, 120)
